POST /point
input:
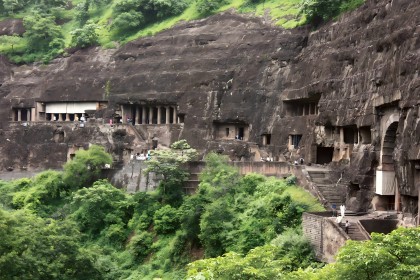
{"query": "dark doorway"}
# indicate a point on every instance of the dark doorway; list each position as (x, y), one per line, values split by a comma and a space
(241, 133)
(324, 155)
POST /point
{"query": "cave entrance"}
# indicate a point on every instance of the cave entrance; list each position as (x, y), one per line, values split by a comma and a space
(324, 155)
(241, 133)
(386, 181)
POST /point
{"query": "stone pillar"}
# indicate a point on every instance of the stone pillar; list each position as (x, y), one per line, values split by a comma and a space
(150, 115)
(341, 136)
(19, 117)
(60, 117)
(137, 120)
(28, 115)
(143, 114)
(67, 117)
(123, 118)
(175, 116)
(168, 112)
(159, 114)
(33, 115)
(397, 196)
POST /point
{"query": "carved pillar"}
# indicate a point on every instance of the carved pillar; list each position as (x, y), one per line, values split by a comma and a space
(137, 121)
(397, 196)
(143, 114)
(122, 114)
(60, 117)
(175, 116)
(159, 114)
(28, 115)
(341, 136)
(19, 117)
(150, 115)
(33, 115)
(67, 117)
(167, 117)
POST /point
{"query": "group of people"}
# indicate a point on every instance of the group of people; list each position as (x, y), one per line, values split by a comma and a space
(141, 156)
(301, 161)
(340, 218)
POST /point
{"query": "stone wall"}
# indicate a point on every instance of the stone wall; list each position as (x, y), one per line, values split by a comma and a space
(324, 235)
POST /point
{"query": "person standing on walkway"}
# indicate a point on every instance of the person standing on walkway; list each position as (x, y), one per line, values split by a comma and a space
(346, 226)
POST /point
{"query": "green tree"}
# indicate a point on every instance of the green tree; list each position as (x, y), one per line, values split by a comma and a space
(12, 6)
(141, 245)
(166, 220)
(218, 178)
(34, 248)
(41, 31)
(86, 167)
(85, 36)
(99, 207)
(131, 14)
(169, 165)
(129, 20)
(272, 261)
(384, 257)
(45, 190)
(319, 11)
(215, 224)
(208, 6)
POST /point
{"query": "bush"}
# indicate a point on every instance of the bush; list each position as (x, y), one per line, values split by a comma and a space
(85, 36)
(319, 11)
(207, 6)
(166, 220)
(86, 167)
(140, 245)
(291, 180)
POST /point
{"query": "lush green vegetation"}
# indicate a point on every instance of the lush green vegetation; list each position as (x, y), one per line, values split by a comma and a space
(73, 225)
(66, 225)
(56, 25)
(319, 11)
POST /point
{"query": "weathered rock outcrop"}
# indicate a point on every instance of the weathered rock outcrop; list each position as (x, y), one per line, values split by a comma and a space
(347, 94)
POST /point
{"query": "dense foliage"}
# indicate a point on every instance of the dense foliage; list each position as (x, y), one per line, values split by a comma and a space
(319, 11)
(66, 225)
(60, 221)
(54, 27)
(385, 257)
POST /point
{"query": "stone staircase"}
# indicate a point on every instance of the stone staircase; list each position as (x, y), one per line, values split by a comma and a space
(138, 131)
(355, 233)
(334, 194)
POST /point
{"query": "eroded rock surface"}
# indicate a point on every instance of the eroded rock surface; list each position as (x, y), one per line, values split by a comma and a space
(346, 95)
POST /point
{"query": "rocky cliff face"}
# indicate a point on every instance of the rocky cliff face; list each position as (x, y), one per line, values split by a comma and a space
(346, 95)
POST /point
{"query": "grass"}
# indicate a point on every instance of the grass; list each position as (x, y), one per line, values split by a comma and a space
(300, 195)
(284, 13)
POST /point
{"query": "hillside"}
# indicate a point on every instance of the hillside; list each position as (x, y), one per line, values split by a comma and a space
(110, 22)
(32, 30)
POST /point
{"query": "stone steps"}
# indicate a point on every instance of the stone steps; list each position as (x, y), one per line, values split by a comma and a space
(354, 232)
(331, 192)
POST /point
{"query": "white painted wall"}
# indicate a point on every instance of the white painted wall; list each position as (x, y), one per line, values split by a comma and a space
(69, 107)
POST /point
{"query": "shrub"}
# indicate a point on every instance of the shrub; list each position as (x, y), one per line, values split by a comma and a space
(166, 220)
(208, 6)
(85, 36)
(291, 180)
(86, 167)
(140, 245)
